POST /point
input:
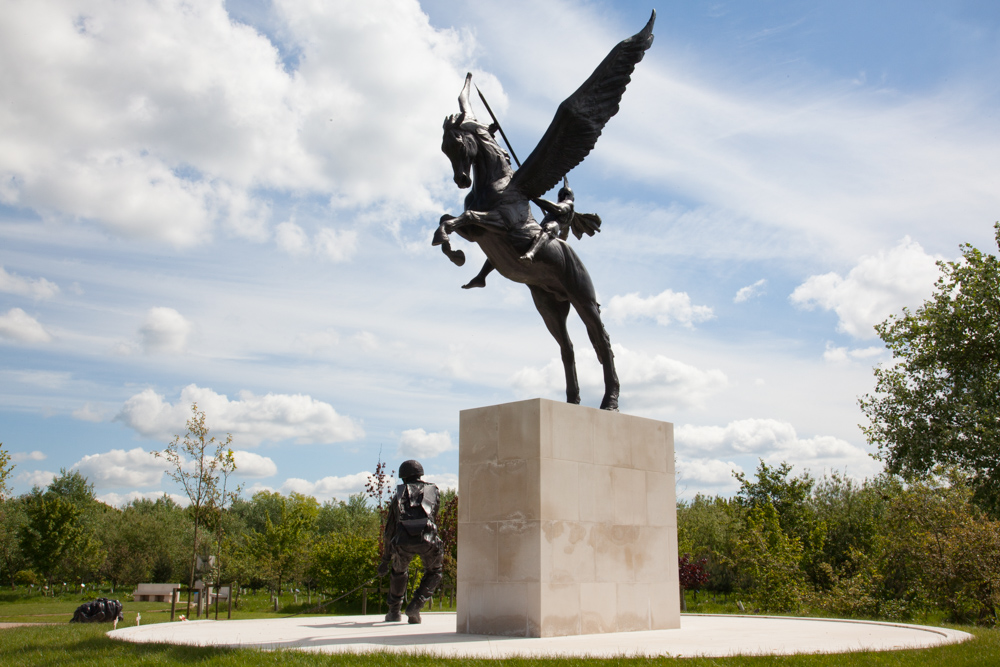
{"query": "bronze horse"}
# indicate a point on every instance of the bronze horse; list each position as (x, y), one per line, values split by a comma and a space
(498, 217)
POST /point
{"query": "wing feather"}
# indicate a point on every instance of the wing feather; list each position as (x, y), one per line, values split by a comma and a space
(581, 117)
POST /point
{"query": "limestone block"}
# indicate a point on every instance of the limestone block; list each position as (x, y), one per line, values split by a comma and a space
(567, 521)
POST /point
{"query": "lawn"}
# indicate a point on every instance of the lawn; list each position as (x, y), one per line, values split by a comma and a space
(55, 641)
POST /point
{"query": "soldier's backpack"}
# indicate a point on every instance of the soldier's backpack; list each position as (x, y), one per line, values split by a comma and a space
(416, 503)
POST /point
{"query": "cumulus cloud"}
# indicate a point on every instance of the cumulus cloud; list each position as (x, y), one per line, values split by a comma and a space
(164, 331)
(418, 443)
(774, 441)
(706, 475)
(118, 468)
(165, 120)
(39, 478)
(21, 457)
(251, 419)
(647, 380)
(330, 487)
(90, 413)
(253, 465)
(18, 326)
(36, 288)
(877, 287)
(327, 243)
(666, 307)
(443, 480)
(750, 291)
(842, 355)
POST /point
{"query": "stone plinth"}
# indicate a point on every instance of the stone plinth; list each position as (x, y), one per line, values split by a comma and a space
(567, 521)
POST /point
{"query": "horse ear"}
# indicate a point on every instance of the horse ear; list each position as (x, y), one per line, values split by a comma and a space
(463, 99)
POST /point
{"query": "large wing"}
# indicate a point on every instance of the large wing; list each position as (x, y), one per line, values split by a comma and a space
(581, 117)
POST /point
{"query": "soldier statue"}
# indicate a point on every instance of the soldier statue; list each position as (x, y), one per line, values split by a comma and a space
(411, 531)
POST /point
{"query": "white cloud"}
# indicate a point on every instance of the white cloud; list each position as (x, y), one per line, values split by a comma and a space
(39, 478)
(775, 441)
(443, 480)
(18, 326)
(118, 468)
(164, 330)
(331, 244)
(649, 381)
(841, 355)
(877, 287)
(91, 413)
(121, 499)
(251, 418)
(337, 246)
(418, 443)
(253, 465)
(750, 291)
(21, 457)
(705, 475)
(331, 487)
(37, 288)
(666, 307)
(161, 120)
(291, 238)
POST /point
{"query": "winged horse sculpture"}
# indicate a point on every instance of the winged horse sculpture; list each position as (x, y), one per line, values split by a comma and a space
(498, 216)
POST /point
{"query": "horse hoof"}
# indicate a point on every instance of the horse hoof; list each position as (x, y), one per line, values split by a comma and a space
(440, 236)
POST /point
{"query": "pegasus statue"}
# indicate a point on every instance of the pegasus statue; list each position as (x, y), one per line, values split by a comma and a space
(498, 216)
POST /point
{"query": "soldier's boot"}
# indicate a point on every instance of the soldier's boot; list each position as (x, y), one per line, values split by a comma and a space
(413, 609)
(393, 616)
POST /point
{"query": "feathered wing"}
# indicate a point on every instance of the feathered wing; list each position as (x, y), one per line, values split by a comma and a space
(585, 223)
(581, 117)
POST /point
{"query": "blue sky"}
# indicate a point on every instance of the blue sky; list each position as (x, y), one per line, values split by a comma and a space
(232, 203)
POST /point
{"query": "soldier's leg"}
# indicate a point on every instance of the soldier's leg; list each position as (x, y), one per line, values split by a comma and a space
(432, 557)
(397, 582)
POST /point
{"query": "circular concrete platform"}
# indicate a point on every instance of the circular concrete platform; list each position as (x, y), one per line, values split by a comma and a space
(699, 635)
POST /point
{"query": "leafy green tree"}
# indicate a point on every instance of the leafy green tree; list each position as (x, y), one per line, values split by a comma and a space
(355, 517)
(6, 468)
(51, 532)
(281, 546)
(343, 561)
(11, 519)
(939, 400)
(767, 561)
(707, 527)
(197, 462)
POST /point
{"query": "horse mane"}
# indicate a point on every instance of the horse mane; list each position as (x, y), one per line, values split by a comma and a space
(478, 141)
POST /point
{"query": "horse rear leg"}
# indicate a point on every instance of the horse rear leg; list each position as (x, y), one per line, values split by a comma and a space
(554, 312)
(590, 313)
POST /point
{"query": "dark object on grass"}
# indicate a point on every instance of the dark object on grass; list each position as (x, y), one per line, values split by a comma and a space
(101, 610)
(410, 530)
(498, 215)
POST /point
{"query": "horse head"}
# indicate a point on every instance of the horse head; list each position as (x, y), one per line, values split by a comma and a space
(466, 139)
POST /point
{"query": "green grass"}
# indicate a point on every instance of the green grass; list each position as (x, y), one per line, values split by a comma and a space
(59, 642)
(87, 644)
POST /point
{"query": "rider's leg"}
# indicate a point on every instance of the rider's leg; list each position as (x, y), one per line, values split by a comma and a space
(480, 279)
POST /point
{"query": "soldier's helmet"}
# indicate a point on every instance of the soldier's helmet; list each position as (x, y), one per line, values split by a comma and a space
(410, 470)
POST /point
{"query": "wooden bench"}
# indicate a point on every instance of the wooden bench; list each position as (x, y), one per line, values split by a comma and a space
(156, 593)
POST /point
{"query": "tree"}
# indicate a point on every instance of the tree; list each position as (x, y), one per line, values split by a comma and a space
(939, 401)
(51, 532)
(210, 459)
(11, 519)
(281, 546)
